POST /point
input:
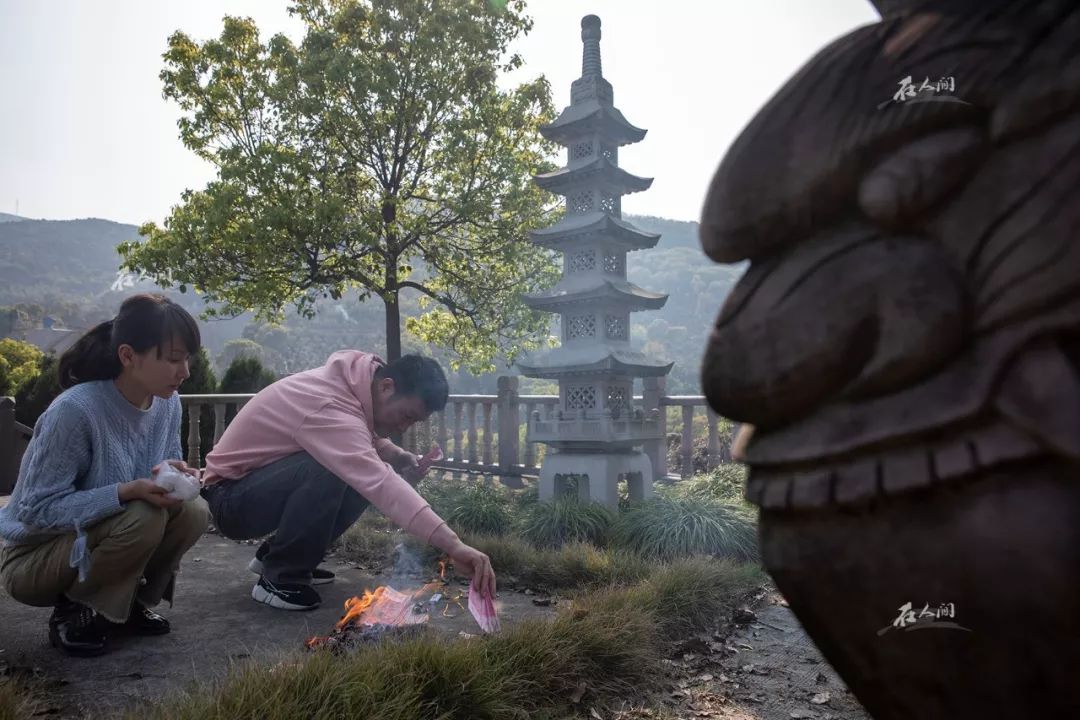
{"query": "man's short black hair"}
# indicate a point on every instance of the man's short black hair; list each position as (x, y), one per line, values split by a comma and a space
(420, 376)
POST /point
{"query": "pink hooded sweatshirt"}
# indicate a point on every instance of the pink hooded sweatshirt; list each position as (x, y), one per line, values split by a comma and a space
(326, 412)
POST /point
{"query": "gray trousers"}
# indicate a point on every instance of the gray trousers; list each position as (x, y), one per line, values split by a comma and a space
(304, 506)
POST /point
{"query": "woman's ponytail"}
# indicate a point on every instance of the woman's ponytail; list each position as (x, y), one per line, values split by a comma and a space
(145, 322)
(92, 357)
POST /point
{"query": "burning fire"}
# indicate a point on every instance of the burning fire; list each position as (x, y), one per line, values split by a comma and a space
(386, 606)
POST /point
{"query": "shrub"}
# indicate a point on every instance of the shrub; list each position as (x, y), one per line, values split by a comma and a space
(35, 395)
(245, 375)
(480, 507)
(21, 363)
(567, 519)
(202, 381)
(724, 482)
(671, 527)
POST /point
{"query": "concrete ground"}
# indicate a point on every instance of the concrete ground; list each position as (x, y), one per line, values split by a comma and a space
(215, 624)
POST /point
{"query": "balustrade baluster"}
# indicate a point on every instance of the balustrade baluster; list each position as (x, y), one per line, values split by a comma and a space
(459, 444)
(487, 432)
(471, 412)
(687, 441)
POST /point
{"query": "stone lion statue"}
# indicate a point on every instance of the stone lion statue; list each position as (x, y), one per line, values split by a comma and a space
(906, 346)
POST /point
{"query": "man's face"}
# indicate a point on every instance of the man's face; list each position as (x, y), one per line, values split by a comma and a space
(395, 413)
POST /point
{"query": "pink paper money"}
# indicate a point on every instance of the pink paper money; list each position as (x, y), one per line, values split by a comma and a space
(483, 609)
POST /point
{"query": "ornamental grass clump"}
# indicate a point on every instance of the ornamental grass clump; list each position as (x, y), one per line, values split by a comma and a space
(666, 528)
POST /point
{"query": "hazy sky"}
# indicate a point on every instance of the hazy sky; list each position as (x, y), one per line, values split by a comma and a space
(84, 131)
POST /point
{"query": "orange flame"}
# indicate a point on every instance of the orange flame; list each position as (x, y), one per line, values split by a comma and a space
(386, 606)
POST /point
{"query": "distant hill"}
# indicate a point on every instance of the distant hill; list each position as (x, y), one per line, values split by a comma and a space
(70, 258)
(675, 233)
(70, 269)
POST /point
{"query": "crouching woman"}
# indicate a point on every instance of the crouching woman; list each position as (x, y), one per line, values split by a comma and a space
(86, 530)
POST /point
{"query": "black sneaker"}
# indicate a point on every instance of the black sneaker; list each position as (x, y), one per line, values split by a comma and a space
(285, 596)
(77, 630)
(319, 576)
(144, 621)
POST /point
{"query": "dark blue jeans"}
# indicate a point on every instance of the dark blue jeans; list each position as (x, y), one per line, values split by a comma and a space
(305, 506)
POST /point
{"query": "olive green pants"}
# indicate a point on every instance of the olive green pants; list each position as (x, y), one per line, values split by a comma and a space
(133, 554)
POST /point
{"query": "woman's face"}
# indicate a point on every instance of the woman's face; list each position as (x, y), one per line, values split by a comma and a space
(162, 375)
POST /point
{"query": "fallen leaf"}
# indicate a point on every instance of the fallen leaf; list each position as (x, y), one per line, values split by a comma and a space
(747, 668)
(593, 713)
(705, 678)
(744, 616)
(820, 698)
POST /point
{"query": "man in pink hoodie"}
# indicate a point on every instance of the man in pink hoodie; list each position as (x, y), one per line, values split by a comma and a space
(306, 455)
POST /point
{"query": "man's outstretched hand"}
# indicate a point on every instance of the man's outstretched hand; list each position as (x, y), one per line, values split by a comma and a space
(415, 467)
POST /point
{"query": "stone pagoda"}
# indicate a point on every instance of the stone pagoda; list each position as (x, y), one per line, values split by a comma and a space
(595, 435)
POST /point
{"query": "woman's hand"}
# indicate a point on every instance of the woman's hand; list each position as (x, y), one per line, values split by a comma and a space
(143, 489)
(179, 465)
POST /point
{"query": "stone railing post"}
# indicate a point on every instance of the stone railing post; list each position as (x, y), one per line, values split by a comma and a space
(193, 438)
(655, 388)
(8, 469)
(508, 422)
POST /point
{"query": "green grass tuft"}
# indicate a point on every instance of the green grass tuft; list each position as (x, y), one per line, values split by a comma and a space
(480, 508)
(671, 527)
(567, 519)
(19, 699)
(575, 565)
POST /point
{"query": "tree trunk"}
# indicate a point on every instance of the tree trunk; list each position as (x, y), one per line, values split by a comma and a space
(393, 329)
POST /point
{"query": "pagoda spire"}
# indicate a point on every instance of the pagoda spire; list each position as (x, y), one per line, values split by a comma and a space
(590, 54)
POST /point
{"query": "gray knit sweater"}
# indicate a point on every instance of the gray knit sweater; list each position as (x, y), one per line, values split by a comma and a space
(88, 441)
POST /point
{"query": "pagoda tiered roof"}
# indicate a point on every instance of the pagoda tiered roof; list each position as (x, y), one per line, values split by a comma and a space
(593, 359)
(590, 288)
(592, 117)
(599, 171)
(573, 228)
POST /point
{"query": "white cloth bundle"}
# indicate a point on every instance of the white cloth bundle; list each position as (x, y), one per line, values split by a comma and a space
(181, 485)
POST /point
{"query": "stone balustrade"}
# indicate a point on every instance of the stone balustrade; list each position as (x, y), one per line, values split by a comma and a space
(478, 433)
